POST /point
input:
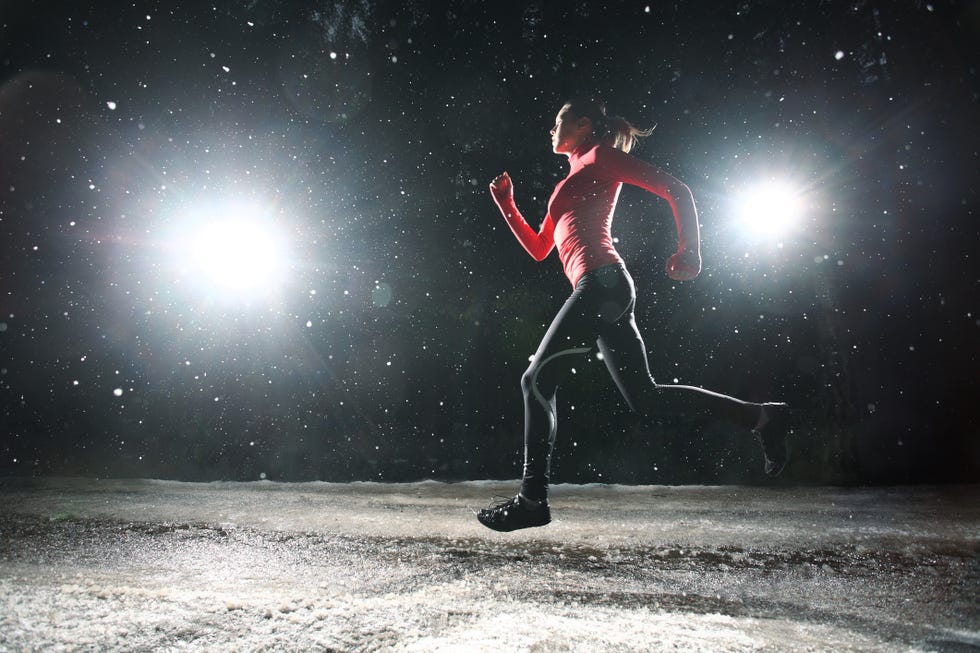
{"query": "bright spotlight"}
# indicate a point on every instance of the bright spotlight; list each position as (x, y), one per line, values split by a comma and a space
(230, 252)
(769, 210)
(238, 256)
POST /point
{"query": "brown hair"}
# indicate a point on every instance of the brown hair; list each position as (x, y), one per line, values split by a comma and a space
(615, 131)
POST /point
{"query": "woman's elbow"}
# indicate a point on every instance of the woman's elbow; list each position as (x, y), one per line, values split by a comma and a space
(538, 254)
(680, 191)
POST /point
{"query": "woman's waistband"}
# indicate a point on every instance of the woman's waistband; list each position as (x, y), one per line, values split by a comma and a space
(602, 271)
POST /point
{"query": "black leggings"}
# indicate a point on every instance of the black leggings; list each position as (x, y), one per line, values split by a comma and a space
(600, 311)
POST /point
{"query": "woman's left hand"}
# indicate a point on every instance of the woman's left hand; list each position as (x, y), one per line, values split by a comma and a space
(684, 265)
(502, 187)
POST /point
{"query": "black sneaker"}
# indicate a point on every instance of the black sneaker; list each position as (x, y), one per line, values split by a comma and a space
(771, 432)
(515, 514)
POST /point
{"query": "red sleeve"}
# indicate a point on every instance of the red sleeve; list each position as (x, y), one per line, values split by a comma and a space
(620, 166)
(537, 243)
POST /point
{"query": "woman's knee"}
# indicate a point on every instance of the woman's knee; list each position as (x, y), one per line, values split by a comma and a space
(538, 381)
(527, 379)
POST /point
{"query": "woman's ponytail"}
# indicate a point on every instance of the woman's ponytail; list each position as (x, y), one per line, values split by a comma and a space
(623, 133)
(614, 131)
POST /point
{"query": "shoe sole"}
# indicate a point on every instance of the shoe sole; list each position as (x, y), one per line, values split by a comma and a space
(500, 529)
(511, 530)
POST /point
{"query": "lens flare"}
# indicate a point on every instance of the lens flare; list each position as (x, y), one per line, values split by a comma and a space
(233, 252)
(238, 256)
(770, 210)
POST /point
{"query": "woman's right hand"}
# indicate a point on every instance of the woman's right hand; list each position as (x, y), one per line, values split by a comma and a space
(684, 265)
(501, 186)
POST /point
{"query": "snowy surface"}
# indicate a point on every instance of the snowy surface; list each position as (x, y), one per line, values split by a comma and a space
(140, 565)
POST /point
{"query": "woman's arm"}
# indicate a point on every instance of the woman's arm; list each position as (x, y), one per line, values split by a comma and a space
(537, 243)
(686, 263)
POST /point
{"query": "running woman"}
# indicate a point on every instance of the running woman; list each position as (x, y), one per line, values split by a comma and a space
(599, 312)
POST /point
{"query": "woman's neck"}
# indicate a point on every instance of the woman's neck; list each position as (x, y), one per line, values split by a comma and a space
(581, 149)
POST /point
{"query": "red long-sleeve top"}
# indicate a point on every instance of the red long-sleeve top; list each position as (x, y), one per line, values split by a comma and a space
(580, 211)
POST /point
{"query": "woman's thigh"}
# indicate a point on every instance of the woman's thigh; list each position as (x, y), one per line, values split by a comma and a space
(598, 303)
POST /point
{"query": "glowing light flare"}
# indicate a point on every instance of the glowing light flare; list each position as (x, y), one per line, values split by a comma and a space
(769, 210)
(230, 251)
(239, 255)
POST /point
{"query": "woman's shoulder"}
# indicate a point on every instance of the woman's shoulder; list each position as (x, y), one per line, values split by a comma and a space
(610, 159)
(607, 153)
(592, 155)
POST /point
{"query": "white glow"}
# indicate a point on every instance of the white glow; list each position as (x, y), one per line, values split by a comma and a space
(238, 255)
(231, 251)
(769, 210)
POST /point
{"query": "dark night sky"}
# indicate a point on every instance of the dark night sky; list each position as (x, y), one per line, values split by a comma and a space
(367, 133)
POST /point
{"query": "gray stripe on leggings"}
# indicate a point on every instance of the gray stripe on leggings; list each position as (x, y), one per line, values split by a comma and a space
(552, 417)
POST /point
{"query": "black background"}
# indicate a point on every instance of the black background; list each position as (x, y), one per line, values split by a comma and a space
(405, 361)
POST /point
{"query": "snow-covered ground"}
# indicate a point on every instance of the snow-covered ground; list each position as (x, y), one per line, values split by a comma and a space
(139, 565)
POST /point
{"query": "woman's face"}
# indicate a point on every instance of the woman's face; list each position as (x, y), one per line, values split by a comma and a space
(568, 133)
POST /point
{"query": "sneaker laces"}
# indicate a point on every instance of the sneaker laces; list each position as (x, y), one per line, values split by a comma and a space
(499, 502)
